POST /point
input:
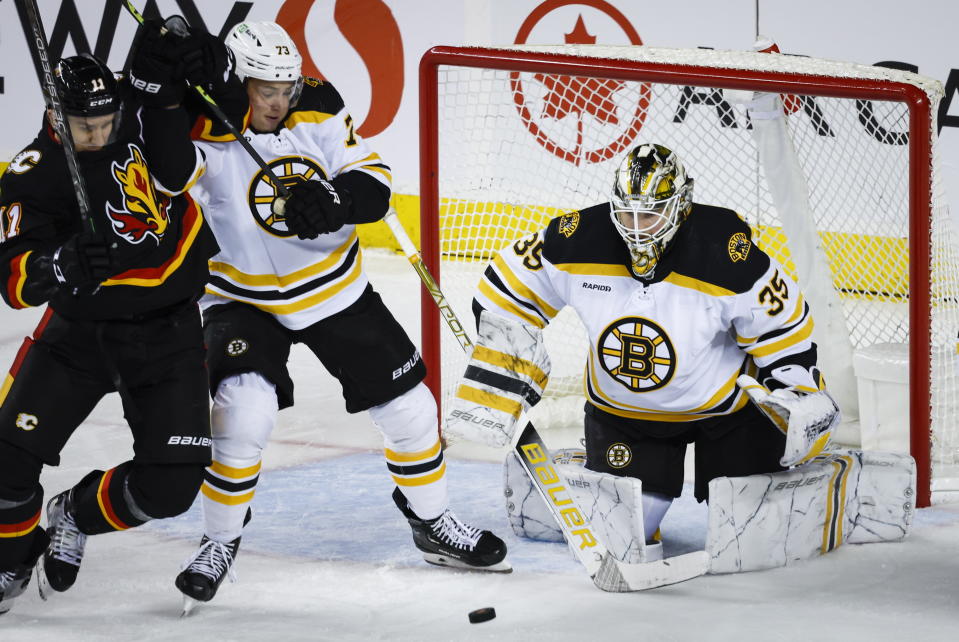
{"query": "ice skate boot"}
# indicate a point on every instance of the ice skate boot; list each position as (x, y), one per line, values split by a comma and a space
(14, 581)
(57, 568)
(447, 541)
(203, 573)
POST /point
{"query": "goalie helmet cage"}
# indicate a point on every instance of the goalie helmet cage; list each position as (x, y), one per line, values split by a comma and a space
(512, 137)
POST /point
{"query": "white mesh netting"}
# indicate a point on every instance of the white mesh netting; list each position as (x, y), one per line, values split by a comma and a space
(518, 148)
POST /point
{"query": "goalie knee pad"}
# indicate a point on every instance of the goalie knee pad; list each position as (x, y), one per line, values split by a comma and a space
(243, 417)
(773, 520)
(614, 505)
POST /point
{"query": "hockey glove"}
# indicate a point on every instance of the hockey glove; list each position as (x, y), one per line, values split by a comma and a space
(505, 376)
(315, 207)
(156, 70)
(807, 418)
(83, 263)
(207, 62)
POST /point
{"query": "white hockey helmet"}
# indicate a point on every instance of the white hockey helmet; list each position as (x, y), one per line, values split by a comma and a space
(651, 197)
(265, 51)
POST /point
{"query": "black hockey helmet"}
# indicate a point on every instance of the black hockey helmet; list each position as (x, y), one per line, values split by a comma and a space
(87, 87)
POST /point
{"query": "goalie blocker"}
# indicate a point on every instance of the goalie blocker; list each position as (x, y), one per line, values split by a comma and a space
(755, 522)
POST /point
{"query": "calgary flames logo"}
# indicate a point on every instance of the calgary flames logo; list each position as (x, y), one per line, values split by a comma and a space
(144, 215)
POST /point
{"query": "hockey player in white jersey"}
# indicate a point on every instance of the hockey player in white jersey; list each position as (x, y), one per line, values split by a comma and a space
(296, 277)
(678, 304)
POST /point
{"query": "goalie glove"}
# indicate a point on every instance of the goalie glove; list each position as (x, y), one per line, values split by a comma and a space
(505, 377)
(806, 414)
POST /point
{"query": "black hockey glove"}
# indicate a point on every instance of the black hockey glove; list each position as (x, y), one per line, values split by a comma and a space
(83, 263)
(316, 207)
(207, 62)
(156, 70)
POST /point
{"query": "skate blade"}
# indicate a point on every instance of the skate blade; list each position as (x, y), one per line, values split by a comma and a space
(452, 562)
(43, 586)
(188, 605)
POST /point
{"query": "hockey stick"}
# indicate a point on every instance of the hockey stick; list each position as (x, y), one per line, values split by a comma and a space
(607, 572)
(179, 30)
(37, 41)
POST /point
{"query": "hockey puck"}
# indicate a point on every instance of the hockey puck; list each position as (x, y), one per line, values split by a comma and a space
(482, 615)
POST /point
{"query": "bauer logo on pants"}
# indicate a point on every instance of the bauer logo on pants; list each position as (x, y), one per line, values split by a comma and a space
(619, 455)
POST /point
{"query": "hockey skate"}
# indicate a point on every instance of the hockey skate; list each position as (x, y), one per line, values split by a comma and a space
(14, 582)
(57, 568)
(203, 573)
(446, 541)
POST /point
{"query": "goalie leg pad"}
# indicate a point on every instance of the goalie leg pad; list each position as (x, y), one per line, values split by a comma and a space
(614, 505)
(773, 520)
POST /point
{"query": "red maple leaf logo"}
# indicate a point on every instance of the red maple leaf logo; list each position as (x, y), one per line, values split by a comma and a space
(574, 94)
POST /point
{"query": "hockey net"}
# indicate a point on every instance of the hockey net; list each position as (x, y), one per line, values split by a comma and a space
(851, 204)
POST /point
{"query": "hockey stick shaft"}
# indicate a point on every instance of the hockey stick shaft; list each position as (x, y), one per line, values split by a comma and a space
(606, 572)
(37, 41)
(278, 205)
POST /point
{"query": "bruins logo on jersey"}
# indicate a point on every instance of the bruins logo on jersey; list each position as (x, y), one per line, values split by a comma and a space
(738, 247)
(637, 353)
(262, 192)
(568, 224)
(144, 214)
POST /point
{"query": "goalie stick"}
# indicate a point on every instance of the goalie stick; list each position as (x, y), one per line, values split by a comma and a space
(607, 572)
(279, 205)
(37, 41)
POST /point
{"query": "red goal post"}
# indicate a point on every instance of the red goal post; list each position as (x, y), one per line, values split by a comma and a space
(468, 97)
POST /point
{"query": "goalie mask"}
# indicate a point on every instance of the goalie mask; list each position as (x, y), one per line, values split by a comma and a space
(265, 51)
(89, 93)
(651, 197)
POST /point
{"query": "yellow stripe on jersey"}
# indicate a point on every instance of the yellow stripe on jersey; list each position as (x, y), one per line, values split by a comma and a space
(521, 289)
(300, 117)
(673, 417)
(284, 280)
(302, 304)
(235, 473)
(223, 498)
(509, 305)
(379, 170)
(593, 269)
(511, 363)
(798, 335)
(429, 453)
(490, 400)
(695, 284)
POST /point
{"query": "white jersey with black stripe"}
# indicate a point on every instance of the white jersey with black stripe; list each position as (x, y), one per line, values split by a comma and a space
(261, 263)
(667, 349)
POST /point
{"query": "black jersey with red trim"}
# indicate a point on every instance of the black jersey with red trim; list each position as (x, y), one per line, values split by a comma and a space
(161, 243)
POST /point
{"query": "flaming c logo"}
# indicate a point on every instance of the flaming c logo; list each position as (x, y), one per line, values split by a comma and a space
(579, 119)
(369, 26)
(144, 215)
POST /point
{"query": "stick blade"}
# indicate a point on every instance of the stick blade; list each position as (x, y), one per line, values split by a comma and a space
(616, 577)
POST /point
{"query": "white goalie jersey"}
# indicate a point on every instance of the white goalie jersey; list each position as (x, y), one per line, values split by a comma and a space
(668, 349)
(261, 262)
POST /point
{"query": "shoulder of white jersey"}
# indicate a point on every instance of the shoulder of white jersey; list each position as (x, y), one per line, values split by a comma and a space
(585, 236)
(714, 245)
(318, 96)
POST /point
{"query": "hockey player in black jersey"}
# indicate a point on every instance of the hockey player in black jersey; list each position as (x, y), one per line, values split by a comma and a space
(121, 316)
(679, 306)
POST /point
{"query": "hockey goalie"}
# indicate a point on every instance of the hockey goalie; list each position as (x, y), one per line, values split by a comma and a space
(696, 336)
